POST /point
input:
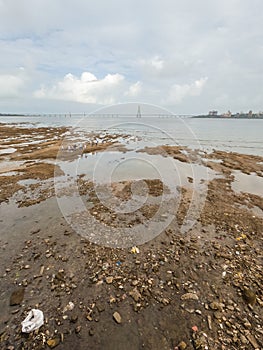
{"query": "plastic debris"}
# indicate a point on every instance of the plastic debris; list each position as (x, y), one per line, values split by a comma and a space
(135, 250)
(33, 321)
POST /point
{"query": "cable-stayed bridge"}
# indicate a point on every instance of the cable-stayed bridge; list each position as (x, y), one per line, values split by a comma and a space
(111, 115)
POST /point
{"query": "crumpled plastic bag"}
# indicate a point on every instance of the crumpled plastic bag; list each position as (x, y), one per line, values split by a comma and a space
(33, 321)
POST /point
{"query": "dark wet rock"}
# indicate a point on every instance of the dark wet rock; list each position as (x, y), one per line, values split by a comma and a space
(17, 296)
(249, 296)
(74, 318)
(182, 345)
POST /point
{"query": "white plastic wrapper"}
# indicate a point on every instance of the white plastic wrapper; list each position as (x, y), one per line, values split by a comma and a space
(33, 321)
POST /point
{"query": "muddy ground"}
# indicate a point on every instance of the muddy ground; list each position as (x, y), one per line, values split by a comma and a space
(200, 289)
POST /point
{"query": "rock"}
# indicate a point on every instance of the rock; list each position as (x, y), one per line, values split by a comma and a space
(52, 343)
(117, 317)
(77, 329)
(215, 306)
(69, 307)
(109, 279)
(135, 294)
(182, 345)
(17, 296)
(209, 321)
(243, 339)
(189, 296)
(74, 318)
(91, 332)
(252, 340)
(249, 296)
(200, 343)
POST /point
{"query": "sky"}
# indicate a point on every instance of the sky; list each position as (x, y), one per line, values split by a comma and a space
(186, 56)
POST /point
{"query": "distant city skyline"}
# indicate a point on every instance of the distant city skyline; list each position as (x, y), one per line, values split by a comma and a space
(76, 56)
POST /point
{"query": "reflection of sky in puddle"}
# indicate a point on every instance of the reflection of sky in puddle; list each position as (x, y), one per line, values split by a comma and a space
(108, 167)
(28, 182)
(7, 166)
(9, 173)
(213, 160)
(248, 183)
(7, 150)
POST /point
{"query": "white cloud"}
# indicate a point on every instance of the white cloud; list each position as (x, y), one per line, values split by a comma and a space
(86, 89)
(10, 85)
(157, 63)
(178, 92)
(148, 44)
(134, 89)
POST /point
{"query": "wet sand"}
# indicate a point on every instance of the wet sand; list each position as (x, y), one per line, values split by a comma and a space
(197, 289)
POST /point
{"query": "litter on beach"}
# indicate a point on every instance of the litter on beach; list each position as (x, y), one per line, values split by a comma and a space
(33, 321)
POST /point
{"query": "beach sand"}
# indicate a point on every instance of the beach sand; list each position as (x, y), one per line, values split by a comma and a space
(197, 289)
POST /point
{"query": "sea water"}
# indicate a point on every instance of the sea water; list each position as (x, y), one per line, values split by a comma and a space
(236, 135)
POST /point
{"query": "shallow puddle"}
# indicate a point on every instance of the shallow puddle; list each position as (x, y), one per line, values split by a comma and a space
(248, 183)
(7, 150)
(108, 167)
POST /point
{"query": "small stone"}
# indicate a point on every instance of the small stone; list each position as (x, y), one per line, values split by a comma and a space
(249, 296)
(77, 329)
(91, 332)
(17, 296)
(243, 339)
(135, 282)
(100, 306)
(215, 306)
(253, 341)
(89, 318)
(52, 343)
(117, 317)
(209, 321)
(109, 279)
(135, 294)
(189, 296)
(182, 345)
(74, 318)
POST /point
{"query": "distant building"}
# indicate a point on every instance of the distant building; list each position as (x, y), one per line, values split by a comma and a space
(213, 113)
(227, 115)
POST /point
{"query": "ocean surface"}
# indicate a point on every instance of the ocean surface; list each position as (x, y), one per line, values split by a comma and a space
(236, 135)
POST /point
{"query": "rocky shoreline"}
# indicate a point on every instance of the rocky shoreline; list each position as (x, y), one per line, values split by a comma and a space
(201, 289)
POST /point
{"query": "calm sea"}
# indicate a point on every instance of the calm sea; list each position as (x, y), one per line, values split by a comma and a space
(237, 135)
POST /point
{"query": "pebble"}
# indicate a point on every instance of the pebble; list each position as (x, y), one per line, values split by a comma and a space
(109, 279)
(252, 340)
(77, 329)
(52, 343)
(17, 296)
(215, 306)
(249, 296)
(135, 294)
(182, 345)
(117, 317)
(189, 296)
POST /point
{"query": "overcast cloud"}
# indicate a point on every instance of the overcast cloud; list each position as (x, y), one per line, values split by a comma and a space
(188, 56)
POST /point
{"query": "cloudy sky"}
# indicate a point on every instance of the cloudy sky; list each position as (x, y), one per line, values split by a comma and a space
(187, 56)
